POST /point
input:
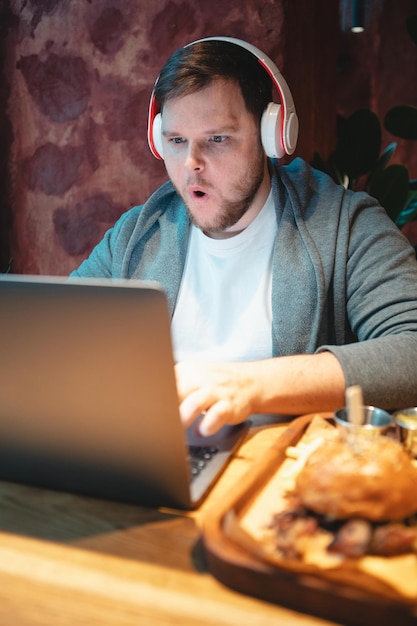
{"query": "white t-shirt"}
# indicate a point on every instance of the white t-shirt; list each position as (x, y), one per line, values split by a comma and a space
(223, 310)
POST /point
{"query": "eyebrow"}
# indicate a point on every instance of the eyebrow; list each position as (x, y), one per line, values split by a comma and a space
(216, 131)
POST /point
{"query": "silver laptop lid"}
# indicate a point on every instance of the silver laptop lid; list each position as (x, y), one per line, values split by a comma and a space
(88, 400)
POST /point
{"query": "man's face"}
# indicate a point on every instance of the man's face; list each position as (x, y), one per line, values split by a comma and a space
(214, 158)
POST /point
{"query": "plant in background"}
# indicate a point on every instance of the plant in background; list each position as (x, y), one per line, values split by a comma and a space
(358, 163)
(8, 268)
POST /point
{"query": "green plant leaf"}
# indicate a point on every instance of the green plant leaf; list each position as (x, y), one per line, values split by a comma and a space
(8, 267)
(341, 178)
(381, 164)
(402, 121)
(358, 143)
(386, 155)
(409, 210)
(390, 187)
(411, 24)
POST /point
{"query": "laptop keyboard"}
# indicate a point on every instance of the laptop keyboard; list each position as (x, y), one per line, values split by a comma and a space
(199, 457)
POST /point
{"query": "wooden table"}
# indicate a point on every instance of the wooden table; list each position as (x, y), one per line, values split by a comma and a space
(71, 560)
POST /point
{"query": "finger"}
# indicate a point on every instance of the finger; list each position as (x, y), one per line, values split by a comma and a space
(214, 418)
(192, 406)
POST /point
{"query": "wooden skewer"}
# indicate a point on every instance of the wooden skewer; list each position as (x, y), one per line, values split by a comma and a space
(354, 404)
(355, 412)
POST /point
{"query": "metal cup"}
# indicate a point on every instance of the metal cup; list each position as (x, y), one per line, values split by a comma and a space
(376, 422)
(406, 424)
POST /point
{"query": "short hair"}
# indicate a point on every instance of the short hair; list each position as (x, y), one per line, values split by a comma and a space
(197, 65)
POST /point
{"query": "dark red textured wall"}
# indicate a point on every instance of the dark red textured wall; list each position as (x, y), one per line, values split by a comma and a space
(80, 75)
(74, 89)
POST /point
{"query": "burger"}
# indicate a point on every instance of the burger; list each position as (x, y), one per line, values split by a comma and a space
(362, 498)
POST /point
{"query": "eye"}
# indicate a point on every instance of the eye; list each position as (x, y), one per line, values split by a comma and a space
(218, 138)
(177, 140)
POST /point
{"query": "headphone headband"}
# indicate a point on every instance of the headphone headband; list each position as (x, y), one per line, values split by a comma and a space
(279, 124)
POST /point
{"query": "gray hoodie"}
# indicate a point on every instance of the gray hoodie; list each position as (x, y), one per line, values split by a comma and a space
(344, 277)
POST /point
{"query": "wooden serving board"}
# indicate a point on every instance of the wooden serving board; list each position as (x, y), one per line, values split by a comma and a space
(236, 563)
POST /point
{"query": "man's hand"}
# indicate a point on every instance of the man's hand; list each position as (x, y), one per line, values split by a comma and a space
(227, 393)
(221, 391)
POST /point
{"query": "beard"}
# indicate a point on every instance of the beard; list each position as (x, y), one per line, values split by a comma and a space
(230, 211)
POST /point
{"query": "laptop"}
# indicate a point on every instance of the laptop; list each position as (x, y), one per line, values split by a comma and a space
(88, 400)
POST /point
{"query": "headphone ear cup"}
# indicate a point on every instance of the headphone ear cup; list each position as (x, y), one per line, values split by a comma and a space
(271, 131)
(157, 135)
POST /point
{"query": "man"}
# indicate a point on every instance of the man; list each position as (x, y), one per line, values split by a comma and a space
(284, 287)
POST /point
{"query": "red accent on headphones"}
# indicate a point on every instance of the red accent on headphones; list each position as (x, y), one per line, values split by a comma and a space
(279, 123)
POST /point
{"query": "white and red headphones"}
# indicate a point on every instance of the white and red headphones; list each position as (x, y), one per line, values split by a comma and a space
(279, 123)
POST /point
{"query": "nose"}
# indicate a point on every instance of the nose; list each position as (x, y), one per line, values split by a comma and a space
(194, 160)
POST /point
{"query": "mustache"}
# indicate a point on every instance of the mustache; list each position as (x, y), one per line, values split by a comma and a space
(197, 181)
